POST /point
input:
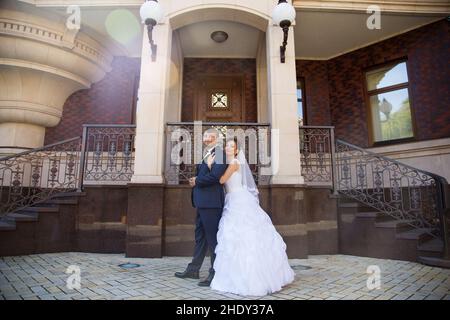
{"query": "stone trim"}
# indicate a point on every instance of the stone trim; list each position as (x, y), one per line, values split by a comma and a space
(45, 68)
(39, 33)
(423, 7)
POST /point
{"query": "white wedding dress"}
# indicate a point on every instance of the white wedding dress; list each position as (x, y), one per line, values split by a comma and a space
(251, 255)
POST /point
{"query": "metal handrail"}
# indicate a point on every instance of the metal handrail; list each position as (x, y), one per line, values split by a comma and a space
(436, 198)
(179, 171)
(191, 123)
(34, 176)
(39, 149)
(437, 177)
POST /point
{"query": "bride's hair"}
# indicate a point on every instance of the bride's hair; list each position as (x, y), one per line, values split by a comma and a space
(236, 144)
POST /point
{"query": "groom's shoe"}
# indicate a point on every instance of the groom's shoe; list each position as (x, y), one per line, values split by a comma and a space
(187, 274)
(207, 281)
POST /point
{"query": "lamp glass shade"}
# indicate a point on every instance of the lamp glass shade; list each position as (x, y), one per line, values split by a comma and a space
(151, 10)
(283, 11)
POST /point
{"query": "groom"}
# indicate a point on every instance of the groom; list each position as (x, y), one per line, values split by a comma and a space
(208, 198)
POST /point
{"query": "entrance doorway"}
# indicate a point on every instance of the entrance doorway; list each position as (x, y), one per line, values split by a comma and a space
(219, 98)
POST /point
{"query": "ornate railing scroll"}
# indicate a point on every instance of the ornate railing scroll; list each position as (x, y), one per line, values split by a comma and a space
(414, 196)
(184, 148)
(316, 154)
(34, 176)
(107, 153)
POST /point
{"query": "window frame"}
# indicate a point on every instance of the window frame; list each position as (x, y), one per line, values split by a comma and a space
(368, 93)
(301, 80)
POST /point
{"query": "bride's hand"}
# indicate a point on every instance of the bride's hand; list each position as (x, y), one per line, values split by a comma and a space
(210, 160)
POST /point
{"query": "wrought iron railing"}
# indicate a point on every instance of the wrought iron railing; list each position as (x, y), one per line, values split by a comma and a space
(184, 147)
(33, 176)
(316, 154)
(107, 153)
(405, 193)
(103, 155)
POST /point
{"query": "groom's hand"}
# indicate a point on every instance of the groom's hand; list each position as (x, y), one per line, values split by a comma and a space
(192, 181)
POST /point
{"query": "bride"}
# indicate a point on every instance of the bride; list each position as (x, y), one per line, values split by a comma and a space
(251, 256)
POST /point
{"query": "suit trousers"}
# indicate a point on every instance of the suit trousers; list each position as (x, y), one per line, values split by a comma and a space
(206, 227)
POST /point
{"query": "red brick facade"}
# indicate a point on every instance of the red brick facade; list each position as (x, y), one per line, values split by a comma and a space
(195, 66)
(334, 88)
(315, 75)
(109, 101)
(427, 51)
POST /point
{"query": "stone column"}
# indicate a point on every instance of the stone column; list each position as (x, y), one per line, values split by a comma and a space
(282, 85)
(287, 191)
(146, 190)
(150, 118)
(41, 64)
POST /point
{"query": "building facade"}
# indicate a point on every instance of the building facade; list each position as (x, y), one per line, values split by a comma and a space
(358, 115)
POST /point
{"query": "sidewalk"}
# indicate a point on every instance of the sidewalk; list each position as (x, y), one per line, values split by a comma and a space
(327, 277)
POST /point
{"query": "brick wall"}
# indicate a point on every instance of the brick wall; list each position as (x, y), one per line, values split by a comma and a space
(109, 101)
(195, 66)
(315, 74)
(334, 88)
(428, 52)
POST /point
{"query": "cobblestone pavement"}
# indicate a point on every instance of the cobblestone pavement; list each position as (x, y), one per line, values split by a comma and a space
(328, 277)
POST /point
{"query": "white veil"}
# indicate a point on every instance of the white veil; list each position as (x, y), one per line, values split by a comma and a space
(247, 178)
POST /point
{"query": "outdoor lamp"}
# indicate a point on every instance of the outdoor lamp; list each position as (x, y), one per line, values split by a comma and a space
(151, 14)
(385, 107)
(283, 15)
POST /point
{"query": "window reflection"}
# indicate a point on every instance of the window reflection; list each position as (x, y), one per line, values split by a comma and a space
(389, 102)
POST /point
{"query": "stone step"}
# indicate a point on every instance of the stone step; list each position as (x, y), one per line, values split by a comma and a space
(348, 204)
(434, 245)
(22, 217)
(392, 223)
(368, 214)
(60, 201)
(68, 194)
(7, 225)
(40, 209)
(413, 234)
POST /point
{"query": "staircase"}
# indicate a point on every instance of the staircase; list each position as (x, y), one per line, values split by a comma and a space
(368, 232)
(9, 221)
(388, 209)
(45, 227)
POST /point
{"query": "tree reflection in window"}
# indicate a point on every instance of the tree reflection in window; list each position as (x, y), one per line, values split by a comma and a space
(389, 102)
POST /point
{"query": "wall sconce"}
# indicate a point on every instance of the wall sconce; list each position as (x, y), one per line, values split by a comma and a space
(283, 15)
(151, 14)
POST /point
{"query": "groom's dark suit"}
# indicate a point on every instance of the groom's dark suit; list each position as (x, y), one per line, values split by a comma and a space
(208, 198)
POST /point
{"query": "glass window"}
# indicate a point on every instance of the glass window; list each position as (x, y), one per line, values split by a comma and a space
(387, 76)
(219, 100)
(300, 103)
(389, 103)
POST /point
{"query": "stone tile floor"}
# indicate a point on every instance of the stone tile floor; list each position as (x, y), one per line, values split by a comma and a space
(329, 277)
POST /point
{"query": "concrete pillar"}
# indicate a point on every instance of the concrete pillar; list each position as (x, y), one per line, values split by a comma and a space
(282, 85)
(146, 190)
(150, 118)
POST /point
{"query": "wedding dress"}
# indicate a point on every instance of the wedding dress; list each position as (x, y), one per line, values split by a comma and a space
(251, 255)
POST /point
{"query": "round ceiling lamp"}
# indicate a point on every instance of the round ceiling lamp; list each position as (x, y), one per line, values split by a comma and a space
(219, 36)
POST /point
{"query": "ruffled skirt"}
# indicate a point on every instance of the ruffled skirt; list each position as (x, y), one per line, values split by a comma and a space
(251, 255)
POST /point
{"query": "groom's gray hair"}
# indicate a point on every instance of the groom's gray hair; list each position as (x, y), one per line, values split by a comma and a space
(213, 130)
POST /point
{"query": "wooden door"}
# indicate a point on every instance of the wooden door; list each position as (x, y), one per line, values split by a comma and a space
(219, 98)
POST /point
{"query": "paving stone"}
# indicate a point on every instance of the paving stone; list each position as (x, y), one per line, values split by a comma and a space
(331, 278)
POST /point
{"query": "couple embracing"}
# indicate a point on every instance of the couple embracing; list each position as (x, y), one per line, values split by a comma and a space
(248, 256)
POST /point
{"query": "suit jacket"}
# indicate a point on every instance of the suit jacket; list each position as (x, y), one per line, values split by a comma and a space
(208, 192)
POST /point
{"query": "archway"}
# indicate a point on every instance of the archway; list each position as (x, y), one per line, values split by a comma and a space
(238, 66)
